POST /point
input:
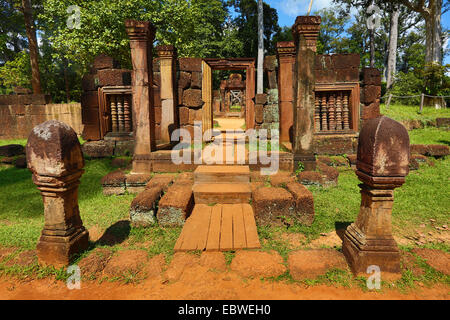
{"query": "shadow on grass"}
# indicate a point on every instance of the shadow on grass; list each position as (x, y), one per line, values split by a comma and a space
(12, 175)
(115, 234)
(340, 227)
(444, 142)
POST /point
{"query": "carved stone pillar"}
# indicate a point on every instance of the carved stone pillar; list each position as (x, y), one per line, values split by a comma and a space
(382, 165)
(286, 61)
(141, 34)
(167, 57)
(54, 157)
(305, 32)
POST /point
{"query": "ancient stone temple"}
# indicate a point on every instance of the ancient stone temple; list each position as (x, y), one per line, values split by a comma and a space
(232, 97)
(317, 102)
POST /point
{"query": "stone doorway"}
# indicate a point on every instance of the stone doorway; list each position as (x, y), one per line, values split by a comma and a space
(246, 94)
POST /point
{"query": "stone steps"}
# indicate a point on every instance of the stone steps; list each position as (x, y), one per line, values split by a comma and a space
(222, 174)
(222, 184)
(224, 193)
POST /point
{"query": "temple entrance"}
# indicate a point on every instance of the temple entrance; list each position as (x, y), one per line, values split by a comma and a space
(231, 106)
(229, 102)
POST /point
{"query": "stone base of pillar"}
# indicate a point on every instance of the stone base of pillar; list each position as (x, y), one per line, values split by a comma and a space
(58, 250)
(119, 136)
(142, 164)
(308, 161)
(362, 252)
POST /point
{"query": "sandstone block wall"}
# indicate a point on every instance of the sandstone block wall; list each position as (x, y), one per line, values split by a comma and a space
(19, 118)
(105, 71)
(337, 68)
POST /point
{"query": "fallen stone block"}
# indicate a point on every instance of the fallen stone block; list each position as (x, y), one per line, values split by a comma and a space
(136, 183)
(309, 264)
(176, 205)
(272, 204)
(114, 183)
(430, 150)
(281, 179)
(310, 178)
(20, 162)
(304, 202)
(330, 175)
(98, 149)
(144, 206)
(352, 160)
(160, 180)
(7, 160)
(185, 178)
(442, 122)
(11, 150)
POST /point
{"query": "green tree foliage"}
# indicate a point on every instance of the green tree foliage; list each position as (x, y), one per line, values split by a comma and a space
(331, 36)
(195, 27)
(284, 34)
(247, 26)
(16, 72)
(12, 31)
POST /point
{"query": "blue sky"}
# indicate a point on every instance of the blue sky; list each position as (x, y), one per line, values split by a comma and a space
(288, 10)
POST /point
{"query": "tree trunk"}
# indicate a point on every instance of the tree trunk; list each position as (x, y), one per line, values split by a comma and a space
(66, 81)
(392, 57)
(433, 53)
(32, 45)
(260, 76)
(372, 47)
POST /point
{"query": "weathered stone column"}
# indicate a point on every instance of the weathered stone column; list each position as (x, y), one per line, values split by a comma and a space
(55, 158)
(382, 164)
(286, 61)
(141, 34)
(167, 55)
(249, 96)
(305, 32)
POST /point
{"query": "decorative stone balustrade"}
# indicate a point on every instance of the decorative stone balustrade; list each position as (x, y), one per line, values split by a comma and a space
(332, 112)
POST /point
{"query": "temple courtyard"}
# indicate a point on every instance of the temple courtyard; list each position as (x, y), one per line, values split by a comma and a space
(124, 261)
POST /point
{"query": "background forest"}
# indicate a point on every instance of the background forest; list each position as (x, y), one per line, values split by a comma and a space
(44, 41)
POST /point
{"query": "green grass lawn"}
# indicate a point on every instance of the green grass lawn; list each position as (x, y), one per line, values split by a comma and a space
(430, 135)
(403, 112)
(424, 196)
(21, 210)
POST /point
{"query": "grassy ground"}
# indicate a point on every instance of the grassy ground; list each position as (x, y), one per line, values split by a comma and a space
(21, 212)
(430, 135)
(424, 196)
(402, 112)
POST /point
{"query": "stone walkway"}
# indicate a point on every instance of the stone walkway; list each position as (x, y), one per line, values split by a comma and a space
(222, 219)
(230, 123)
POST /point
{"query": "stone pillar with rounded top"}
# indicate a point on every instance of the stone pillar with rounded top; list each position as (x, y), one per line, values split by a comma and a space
(382, 165)
(305, 32)
(141, 34)
(286, 61)
(167, 57)
(54, 157)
